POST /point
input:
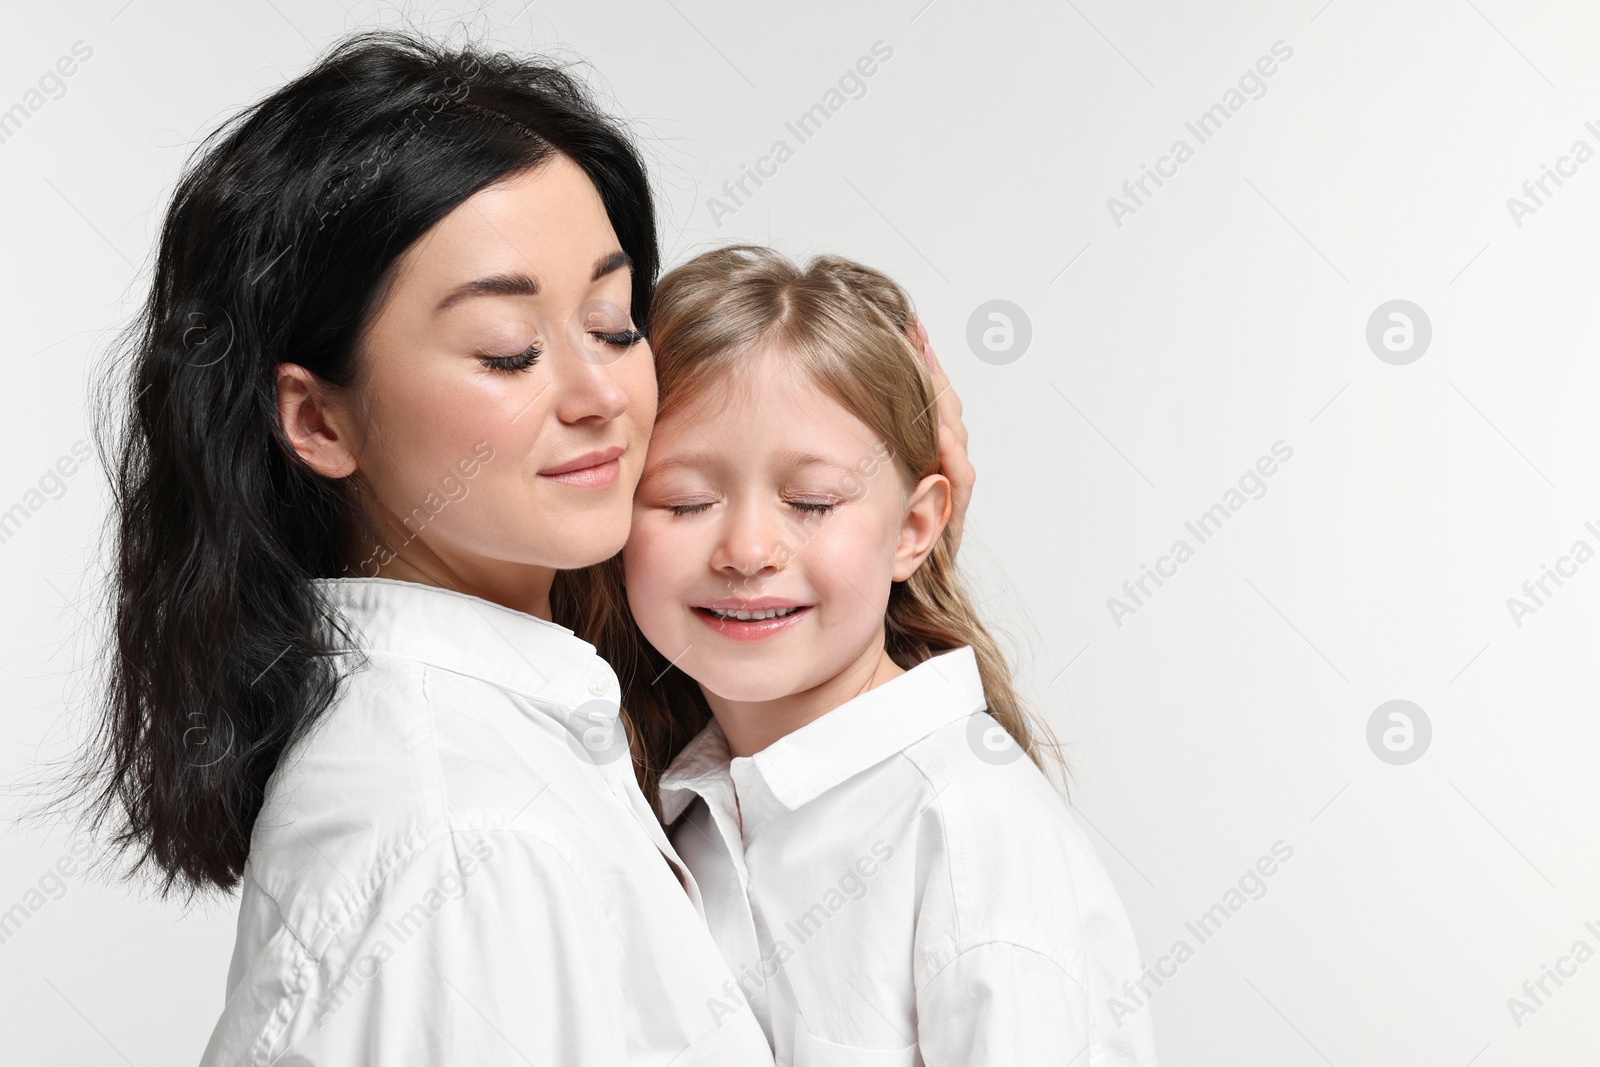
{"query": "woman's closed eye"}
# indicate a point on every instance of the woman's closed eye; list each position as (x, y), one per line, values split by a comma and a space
(521, 361)
(609, 323)
(619, 338)
(528, 357)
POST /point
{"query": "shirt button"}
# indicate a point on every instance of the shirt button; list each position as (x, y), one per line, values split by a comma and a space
(598, 685)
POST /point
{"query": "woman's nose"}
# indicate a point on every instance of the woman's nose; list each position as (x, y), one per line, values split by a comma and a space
(588, 387)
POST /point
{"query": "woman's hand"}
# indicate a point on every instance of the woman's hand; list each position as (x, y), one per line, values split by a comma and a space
(953, 461)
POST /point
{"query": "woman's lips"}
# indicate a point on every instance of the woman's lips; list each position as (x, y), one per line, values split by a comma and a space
(592, 470)
(595, 477)
(750, 629)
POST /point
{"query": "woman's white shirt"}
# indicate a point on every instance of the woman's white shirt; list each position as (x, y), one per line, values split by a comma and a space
(456, 865)
(896, 884)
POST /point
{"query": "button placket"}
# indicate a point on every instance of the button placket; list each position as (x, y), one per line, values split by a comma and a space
(755, 801)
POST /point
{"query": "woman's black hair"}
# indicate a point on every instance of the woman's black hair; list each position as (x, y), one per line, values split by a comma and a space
(277, 246)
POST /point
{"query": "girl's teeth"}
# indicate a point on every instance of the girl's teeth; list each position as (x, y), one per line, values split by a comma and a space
(747, 616)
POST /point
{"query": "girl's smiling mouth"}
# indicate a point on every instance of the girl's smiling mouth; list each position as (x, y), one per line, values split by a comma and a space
(750, 620)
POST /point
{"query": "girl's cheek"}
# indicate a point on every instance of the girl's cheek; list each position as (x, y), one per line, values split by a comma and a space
(844, 536)
(860, 545)
(636, 552)
(651, 555)
(638, 531)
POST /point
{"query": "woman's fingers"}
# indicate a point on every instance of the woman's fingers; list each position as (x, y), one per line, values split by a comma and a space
(954, 463)
(949, 402)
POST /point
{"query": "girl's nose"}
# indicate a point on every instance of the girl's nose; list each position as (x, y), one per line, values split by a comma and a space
(751, 542)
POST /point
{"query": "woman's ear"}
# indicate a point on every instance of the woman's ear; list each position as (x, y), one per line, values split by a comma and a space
(314, 423)
(926, 517)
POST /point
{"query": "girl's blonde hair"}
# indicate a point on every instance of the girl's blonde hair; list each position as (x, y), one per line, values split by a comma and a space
(848, 327)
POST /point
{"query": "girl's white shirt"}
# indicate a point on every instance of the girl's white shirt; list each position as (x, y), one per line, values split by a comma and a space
(896, 884)
(456, 865)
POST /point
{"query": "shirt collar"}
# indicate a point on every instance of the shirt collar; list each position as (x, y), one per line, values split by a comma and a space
(472, 636)
(695, 771)
(856, 735)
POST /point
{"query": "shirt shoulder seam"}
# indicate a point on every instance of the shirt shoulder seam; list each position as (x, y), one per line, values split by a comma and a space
(1048, 957)
(428, 664)
(944, 841)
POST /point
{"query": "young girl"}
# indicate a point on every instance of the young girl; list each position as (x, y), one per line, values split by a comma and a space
(889, 880)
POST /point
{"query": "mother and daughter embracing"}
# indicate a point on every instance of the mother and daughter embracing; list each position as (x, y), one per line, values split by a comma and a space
(668, 736)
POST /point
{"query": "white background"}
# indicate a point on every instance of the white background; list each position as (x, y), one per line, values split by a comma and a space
(1227, 313)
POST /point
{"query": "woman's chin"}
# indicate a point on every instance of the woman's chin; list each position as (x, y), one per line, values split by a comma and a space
(588, 544)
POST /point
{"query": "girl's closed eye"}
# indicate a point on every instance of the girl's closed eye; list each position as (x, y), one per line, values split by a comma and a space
(813, 507)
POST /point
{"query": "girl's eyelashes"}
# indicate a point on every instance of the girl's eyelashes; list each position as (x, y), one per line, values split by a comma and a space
(812, 507)
(511, 364)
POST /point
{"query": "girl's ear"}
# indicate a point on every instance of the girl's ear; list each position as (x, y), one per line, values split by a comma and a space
(926, 517)
(314, 424)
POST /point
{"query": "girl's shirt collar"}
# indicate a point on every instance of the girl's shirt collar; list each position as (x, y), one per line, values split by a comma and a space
(856, 735)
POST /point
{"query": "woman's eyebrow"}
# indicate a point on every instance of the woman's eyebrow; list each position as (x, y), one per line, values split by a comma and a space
(518, 284)
(610, 262)
(512, 284)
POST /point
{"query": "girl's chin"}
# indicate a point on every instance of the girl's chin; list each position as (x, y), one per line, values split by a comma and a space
(738, 690)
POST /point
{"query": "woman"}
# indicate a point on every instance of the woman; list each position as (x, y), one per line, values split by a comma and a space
(389, 398)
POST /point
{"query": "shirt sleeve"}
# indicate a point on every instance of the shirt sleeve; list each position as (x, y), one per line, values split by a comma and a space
(1000, 1003)
(482, 948)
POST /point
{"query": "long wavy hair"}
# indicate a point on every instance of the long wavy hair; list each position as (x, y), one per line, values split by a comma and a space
(277, 246)
(847, 327)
